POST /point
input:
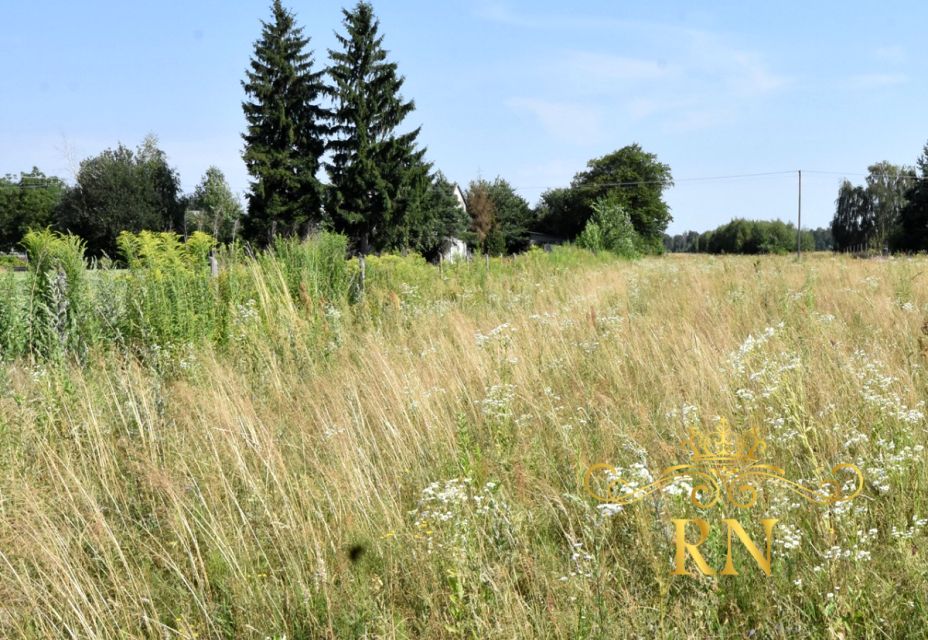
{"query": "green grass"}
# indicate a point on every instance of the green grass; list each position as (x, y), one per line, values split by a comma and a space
(271, 454)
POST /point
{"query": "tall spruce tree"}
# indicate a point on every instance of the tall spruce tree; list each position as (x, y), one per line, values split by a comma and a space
(374, 171)
(287, 128)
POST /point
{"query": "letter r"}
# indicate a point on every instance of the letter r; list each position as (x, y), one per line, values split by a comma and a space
(683, 547)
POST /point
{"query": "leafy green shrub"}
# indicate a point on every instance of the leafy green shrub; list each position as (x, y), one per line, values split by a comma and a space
(169, 300)
(610, 229)
(8, 262)
(591, 238)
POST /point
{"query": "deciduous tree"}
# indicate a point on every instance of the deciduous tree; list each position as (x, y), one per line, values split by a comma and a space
(630, 178)
(27, 202)
(214, 208)
(887, 185)
(514, 216)
(854, 221)
(122, 190)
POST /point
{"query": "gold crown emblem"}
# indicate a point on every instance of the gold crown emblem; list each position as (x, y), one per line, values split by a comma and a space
(723, 446)
(725, 467)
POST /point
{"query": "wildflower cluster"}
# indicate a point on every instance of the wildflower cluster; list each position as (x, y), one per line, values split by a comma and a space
(501, 335)
(582, 563)
(911, 531)
(688, 415)
(550, 319)
(739, 358)
(245, 315)
(876, 390)
(781, 430)
(454, 516)
(497, 405)
(633, 481)
(761, 374)
(789, 537)
(859, 552)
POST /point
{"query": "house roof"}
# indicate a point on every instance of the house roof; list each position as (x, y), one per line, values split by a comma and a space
(460, 196)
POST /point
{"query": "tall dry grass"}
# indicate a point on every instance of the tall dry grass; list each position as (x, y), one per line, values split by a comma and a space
(409, 465)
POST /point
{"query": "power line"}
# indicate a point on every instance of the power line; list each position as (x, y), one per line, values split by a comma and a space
(868, 175)
(34, 183)
(674, 182)
(742, 175)
(635, 183)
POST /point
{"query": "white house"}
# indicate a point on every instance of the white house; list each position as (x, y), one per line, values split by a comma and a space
(455, 248)
(460, 197)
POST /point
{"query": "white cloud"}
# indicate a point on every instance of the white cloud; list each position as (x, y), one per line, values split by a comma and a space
(737, 71)
(694, 49)
(566, 121)
(753, 76)
(700, 79)
(500, 13)
(868, 81)
(602, 67)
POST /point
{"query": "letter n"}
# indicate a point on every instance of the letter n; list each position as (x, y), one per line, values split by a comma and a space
(683, 546)
(762, 561)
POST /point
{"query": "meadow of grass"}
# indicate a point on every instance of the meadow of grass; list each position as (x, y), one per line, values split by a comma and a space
(272, 454)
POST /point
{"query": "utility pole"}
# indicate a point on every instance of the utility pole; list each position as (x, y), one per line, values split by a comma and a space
(799, 221)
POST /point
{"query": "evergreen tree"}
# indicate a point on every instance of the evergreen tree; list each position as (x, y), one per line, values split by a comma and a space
(286, 131)
(513, 216)
(375, 172)
(500, 217)
(433, 217)
(912, 232)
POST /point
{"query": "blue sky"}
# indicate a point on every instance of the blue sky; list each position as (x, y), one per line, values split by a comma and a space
(526, 90)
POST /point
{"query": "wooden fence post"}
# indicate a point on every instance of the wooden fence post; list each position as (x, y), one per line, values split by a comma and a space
(363, 265)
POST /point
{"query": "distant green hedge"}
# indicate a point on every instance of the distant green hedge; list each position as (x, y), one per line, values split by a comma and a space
(9, 263)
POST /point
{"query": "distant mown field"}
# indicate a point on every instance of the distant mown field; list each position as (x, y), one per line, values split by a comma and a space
(273, 453)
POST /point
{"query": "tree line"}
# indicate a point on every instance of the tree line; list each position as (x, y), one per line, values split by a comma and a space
(749, 237)
(326, 149)
(889, 212)
(120, 189)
